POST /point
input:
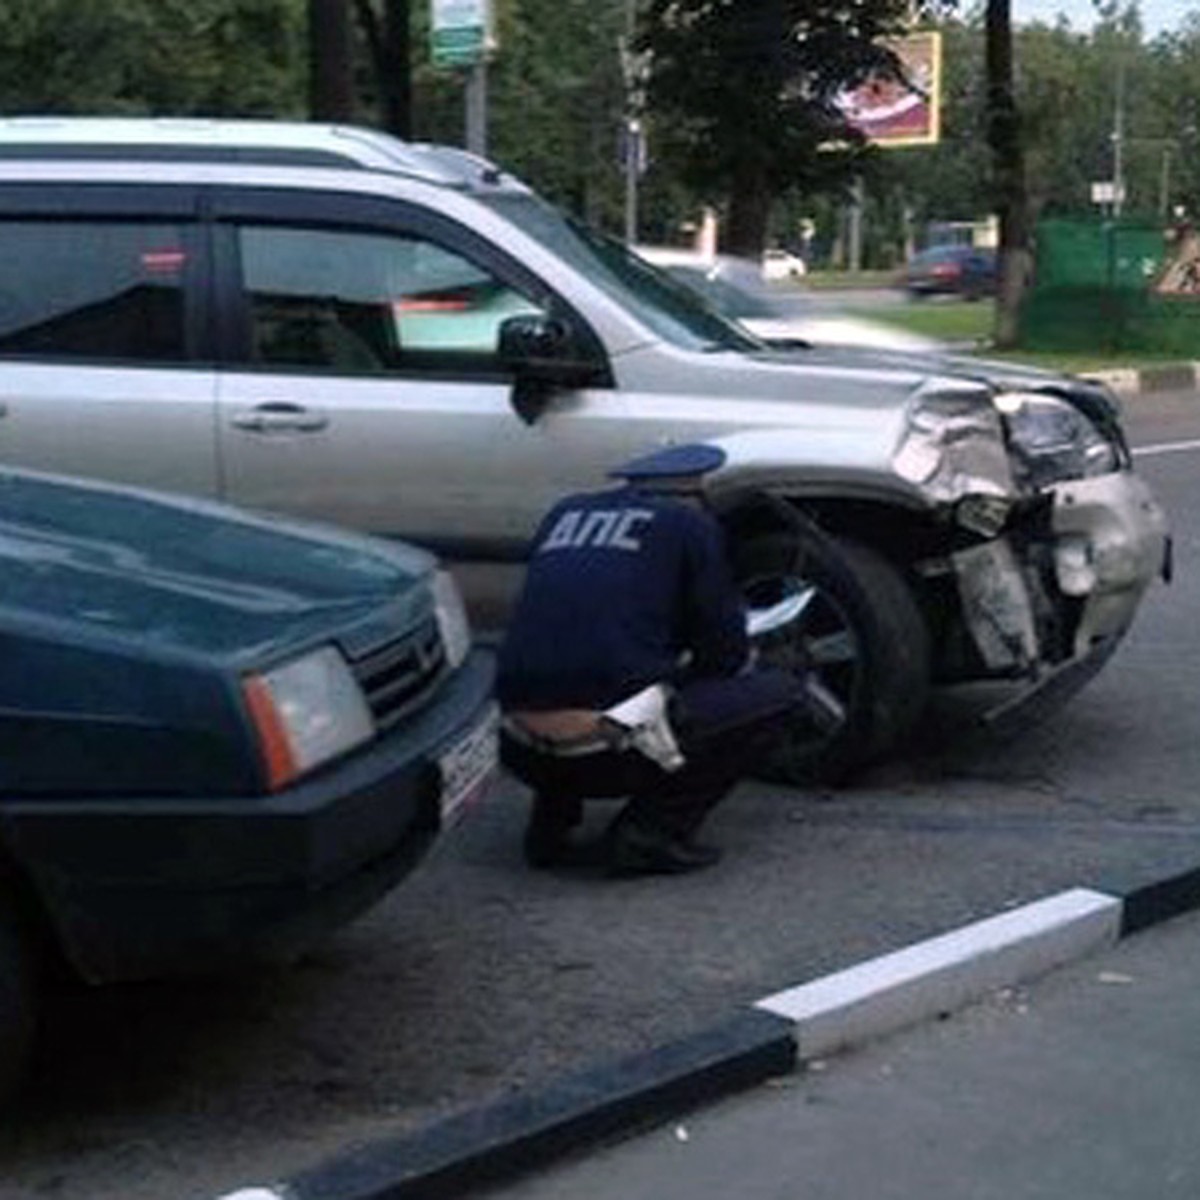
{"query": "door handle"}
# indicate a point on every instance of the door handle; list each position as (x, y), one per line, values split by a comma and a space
(275, 417)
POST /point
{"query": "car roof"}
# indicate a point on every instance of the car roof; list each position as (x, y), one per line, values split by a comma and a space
(266, 143)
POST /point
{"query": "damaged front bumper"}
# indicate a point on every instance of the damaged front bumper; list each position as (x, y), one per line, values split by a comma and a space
(1051, 603)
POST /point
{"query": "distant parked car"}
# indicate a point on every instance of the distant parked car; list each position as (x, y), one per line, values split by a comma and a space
(779, 265)
(966, 271)
(735, 289)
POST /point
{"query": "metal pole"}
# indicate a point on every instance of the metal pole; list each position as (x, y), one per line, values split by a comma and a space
(1164, 194)
(633, 126)
(477, 108)
(1118, 139)
(633, 155)
(854, 229)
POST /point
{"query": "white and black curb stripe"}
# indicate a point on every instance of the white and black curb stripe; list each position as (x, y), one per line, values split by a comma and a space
(947, 972)
(1131, 381)
(929, 978)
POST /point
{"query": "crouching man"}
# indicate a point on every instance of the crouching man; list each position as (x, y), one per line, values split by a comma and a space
(627, 671)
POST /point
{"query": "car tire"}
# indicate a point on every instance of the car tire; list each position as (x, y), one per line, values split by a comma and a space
(861, 638)
(18, 1001)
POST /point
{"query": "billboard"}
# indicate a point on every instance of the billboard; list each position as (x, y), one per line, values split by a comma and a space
(892, 112)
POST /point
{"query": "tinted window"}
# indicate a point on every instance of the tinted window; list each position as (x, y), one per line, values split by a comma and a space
(356, 302)
(97, 290)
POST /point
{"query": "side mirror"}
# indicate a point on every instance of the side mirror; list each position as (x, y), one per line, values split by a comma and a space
(542, 354)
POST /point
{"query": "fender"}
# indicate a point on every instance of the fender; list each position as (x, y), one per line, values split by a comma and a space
(796, 464)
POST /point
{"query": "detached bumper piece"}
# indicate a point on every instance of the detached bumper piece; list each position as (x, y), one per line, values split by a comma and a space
(1052, 689)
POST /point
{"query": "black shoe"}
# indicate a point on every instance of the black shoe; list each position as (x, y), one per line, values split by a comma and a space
(635, 850)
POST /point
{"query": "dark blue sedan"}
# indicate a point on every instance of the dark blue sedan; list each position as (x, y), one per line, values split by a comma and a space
(967, 271)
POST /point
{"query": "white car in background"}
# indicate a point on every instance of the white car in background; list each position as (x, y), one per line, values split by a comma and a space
(734, 287)
(779, 265)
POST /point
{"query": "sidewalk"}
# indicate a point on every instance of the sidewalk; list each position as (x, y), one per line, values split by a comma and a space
(1087, 1084)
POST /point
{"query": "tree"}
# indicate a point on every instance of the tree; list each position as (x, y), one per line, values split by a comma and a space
(1008, 158)
(387, 29)
(331, 70)
(743, 96)
(227, 57)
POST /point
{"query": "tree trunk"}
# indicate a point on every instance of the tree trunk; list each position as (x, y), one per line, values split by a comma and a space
(1008, 166)
(331, 75)
(390, 41)
(749, 209)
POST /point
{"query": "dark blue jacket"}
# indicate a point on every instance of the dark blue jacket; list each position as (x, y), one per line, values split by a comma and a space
(620, 585)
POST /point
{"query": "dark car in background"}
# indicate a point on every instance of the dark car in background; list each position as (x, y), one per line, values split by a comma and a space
(953, 270)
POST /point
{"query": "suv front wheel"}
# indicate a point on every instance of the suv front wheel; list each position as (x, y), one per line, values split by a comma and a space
(858, 635)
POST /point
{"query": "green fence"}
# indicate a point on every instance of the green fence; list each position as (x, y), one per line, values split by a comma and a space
(1103, 286)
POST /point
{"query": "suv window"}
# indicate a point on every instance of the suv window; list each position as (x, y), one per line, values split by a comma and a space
(359, 302)
(670, 308)
(92, 289)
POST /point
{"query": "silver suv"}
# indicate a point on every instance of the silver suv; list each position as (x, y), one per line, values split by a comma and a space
(403, 338)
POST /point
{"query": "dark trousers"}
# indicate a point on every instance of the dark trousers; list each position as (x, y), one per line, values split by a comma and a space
(723, 726)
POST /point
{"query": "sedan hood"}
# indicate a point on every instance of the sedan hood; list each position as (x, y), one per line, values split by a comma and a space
(108, 565)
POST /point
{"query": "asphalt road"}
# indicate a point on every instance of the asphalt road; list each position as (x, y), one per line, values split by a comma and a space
(478, 977)
(1083, 1085)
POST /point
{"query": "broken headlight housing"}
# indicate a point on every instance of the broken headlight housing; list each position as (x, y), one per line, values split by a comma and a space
(1053, 441)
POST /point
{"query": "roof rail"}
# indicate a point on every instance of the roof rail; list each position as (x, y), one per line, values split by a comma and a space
(273, 143)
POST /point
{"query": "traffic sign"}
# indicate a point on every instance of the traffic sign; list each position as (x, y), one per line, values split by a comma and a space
(460, 32)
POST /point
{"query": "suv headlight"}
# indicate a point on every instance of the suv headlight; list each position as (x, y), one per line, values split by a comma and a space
(305, 713)
(1053, 440)
(451, 619)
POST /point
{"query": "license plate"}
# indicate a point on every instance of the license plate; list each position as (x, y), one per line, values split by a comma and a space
(468, 766)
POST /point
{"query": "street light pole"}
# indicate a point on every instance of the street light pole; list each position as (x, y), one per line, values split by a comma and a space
(1164, 185)
(476, 106)
(633, 69)
(1118, 141)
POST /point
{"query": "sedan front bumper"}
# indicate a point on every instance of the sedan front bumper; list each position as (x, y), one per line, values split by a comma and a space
(141, 887)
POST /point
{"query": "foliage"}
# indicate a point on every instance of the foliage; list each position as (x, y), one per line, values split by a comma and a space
(555, 98)
(743, 95)
(233, 57)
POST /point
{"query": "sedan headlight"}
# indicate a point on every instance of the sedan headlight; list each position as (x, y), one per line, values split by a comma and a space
(1053, 440)
(451, 619)
(305, 713)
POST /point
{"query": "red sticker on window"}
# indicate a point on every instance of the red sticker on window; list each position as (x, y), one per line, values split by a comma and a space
(431, 304)
(163, 261)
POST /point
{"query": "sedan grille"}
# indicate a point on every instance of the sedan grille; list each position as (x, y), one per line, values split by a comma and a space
(397, 677)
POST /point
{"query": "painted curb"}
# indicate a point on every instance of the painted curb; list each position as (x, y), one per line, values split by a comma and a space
(506, 1138)
(1132, 381)
(1148, 899)
(945, 973)
(499, 1140)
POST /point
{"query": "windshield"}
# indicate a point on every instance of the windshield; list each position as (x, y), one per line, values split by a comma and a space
(671, 309)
